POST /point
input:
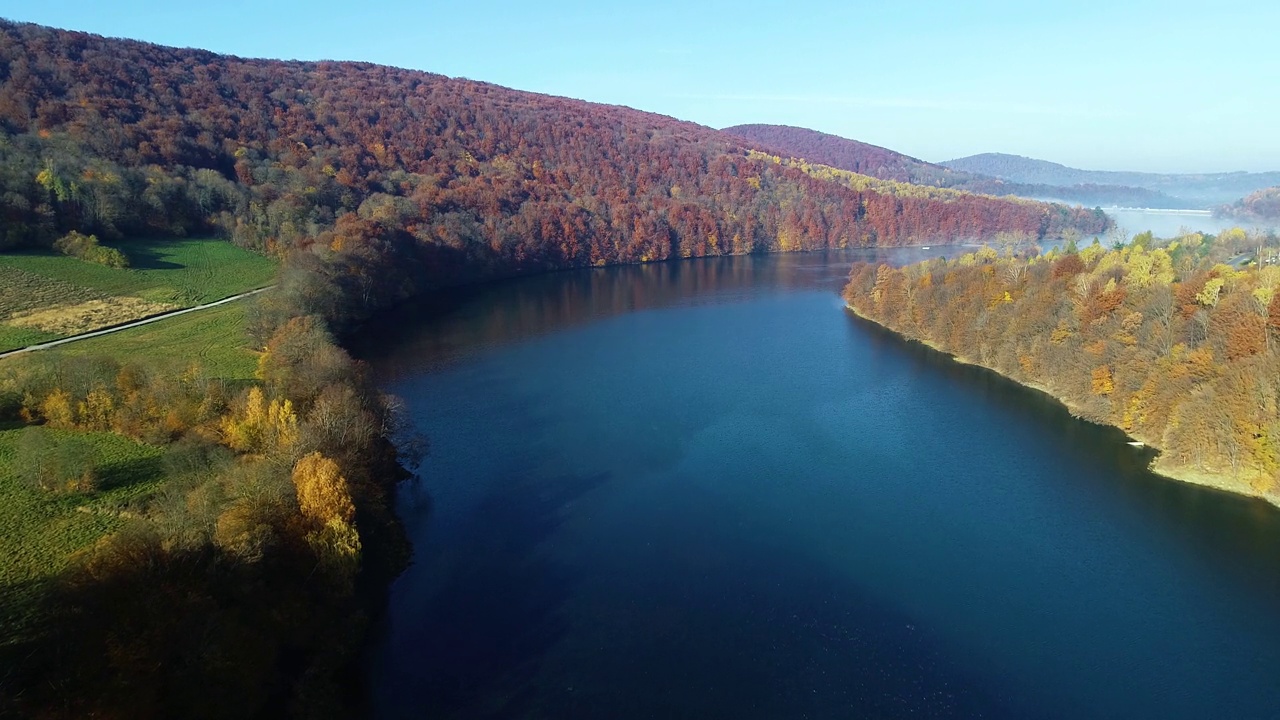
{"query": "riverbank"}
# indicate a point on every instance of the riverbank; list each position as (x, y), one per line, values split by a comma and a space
(199, 515)
(1157, 466)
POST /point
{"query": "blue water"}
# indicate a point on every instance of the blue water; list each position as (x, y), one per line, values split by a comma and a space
(704, 490)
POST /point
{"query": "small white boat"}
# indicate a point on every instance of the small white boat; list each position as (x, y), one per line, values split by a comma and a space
(1137, 443)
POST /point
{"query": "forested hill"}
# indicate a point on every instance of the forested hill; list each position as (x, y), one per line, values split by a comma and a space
(1261, 206)
(879, 162)
(1200, 189)
(408, 176)
(1176, 344)
(851, 155)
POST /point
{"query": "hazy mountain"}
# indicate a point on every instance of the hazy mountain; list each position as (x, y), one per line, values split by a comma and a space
(1201, 189)
(886, 164)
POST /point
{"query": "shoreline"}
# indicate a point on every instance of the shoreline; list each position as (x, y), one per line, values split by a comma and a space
(1190, 477)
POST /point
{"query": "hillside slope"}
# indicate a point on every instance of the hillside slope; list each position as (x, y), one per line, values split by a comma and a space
(851, 155)
(1203, 189)
(408, 178)
(879, 162)
(1260, 206)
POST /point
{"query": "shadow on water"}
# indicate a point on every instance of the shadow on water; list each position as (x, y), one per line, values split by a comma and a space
(444, 327)
(709, 618)
(1206, 523)
(705, 619)
(495, 608)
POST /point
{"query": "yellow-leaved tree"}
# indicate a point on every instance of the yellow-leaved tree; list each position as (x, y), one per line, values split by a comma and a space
(323, 494)
(324, 497)
(261, 426)
(1208, 296)
(1103, 383)
(56, 409)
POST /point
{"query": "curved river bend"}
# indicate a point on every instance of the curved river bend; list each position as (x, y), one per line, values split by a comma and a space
(704, 490)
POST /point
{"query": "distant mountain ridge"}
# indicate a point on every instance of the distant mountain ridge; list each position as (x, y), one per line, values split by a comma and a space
(885, 164)
(1201, 189)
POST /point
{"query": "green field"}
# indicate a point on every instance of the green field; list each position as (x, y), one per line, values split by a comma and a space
(180, 272)
(15, 337)
(214, 337)
(59, 296)
(40, 531)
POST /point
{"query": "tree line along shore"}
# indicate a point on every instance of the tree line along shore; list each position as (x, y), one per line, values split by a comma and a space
(1175, 342)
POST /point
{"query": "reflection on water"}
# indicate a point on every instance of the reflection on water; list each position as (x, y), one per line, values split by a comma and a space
(705, 490)
(466, 320)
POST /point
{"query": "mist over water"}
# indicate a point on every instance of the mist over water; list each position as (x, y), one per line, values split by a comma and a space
(702, 489)
(1171, 224)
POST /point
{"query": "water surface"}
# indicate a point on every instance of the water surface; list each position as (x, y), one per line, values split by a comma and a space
(1172, 223)
(704, 490)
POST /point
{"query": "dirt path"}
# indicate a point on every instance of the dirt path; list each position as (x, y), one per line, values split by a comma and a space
(134, 324)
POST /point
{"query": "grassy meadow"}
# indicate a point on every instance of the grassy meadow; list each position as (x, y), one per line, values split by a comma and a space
(45, 296)
(41, 531)
(215, 338)
(12, 338)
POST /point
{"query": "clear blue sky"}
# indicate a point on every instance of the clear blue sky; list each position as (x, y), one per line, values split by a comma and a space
(1148, 85)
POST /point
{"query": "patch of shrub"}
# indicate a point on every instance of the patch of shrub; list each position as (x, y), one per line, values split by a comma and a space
(55, 464)
(87, 248)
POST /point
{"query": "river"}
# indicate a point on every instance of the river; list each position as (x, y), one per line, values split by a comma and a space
(703, 489)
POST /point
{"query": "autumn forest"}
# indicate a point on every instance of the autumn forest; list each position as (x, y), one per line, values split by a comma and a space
(219, 530)
(416, 179)
(371, 185)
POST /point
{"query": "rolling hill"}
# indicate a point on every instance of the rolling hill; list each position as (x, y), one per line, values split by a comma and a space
(398, 180)
(851, 155)
(1263, 205)
(879, 162)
